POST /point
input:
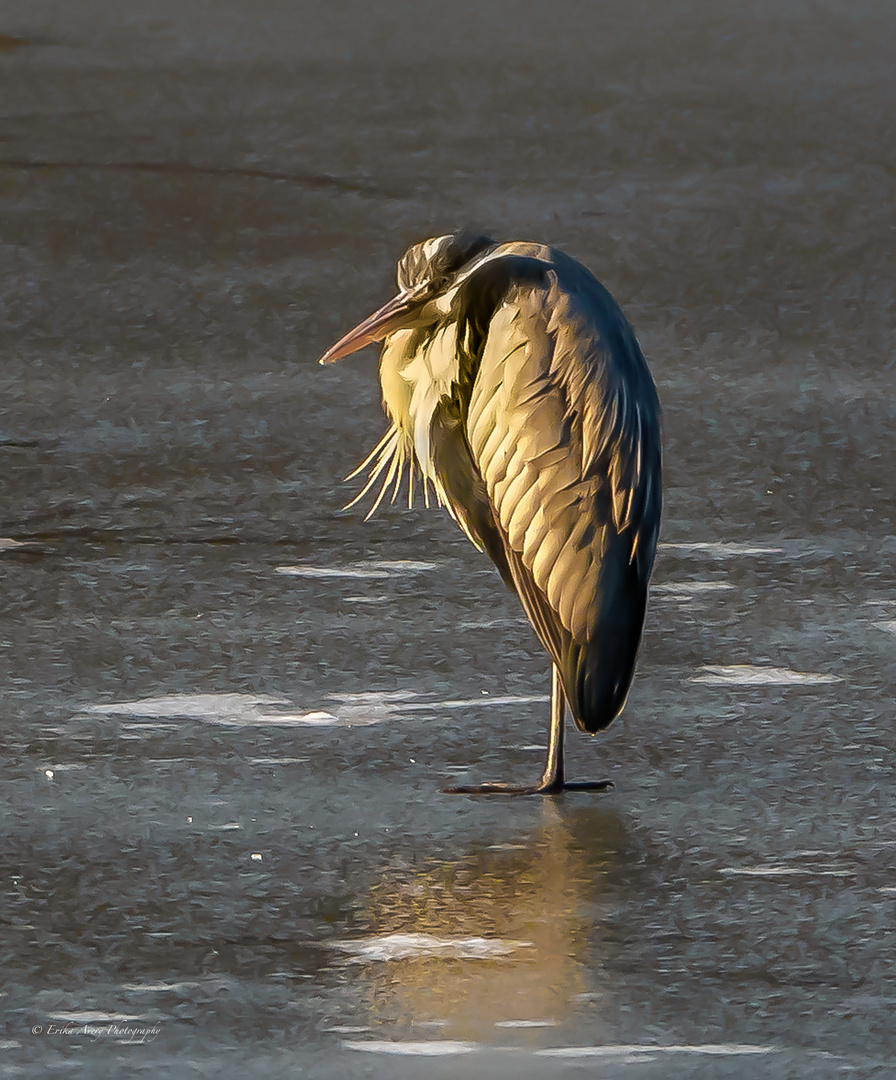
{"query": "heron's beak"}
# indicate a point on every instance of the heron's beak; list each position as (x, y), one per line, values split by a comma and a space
(375, 327)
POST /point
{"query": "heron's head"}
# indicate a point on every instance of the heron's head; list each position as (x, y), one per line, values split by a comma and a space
(426, 271)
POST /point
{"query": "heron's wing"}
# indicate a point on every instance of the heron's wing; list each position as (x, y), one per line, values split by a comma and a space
(563, 426)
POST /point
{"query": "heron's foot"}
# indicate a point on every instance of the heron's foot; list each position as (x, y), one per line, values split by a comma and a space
(543, 787)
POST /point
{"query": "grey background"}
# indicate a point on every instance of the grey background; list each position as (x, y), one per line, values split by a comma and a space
(195, 200)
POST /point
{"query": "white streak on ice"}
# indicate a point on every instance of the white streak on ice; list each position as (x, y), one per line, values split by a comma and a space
(198, 706)
(638, 1050)
(248, 710)
(436, 1048)
(278, 760)
(687, 590)
(750, 675)
(310, 719)
(466, 703)
(723, 549)
(89, 1016)
(232, 710)
(7, 544)
(784, 871)
(408, 946)
(375, 570)
(525, 1023)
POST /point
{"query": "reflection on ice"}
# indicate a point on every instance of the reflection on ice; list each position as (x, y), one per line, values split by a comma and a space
(889, 626)
(750, 675)
(405, 946)
(509, 912)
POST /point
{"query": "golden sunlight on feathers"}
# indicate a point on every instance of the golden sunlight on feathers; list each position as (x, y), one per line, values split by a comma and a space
(517, 389)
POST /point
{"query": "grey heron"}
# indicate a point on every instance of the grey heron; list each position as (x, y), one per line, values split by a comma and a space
(517, 391)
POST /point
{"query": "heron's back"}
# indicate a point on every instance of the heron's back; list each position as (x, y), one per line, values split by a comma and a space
(563, 427)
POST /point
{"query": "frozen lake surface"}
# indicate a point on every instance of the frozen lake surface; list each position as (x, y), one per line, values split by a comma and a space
(228, 709)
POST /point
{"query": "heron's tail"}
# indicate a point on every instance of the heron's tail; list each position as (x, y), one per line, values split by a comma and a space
(597, 675)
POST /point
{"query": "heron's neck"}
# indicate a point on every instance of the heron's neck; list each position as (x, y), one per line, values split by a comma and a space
(416, 371)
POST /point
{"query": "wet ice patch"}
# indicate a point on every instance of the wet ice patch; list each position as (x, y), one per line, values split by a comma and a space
(415, 946)
(750, 675)
(640, 1051)
(372, 570)
(232, 710)
(372, 706)
(433, 1048)
(198, 706)
(156, 715)
(388, 698)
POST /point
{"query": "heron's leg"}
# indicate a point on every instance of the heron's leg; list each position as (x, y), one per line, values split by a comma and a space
(552, 779)
(553, 776)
